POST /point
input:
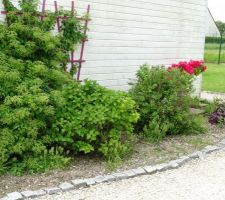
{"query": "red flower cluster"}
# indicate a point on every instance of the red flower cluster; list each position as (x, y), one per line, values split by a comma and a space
(192, 67)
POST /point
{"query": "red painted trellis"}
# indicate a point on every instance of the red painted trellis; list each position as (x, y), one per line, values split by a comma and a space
(58, 20)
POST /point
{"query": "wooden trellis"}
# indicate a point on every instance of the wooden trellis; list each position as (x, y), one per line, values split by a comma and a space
(59, 19)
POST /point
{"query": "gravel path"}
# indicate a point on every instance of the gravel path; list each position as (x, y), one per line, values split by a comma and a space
(199, 179)
(210, 96)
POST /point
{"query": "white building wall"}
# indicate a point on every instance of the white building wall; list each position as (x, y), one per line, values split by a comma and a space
(211, 28)
(125, 34)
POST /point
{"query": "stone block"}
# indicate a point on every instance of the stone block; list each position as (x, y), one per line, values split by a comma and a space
(14, 196)
(66, 186)
(109, 178)
(90, 181)
(129, 173)
(139, 171)
(53, 190)
(163, 167)
(150, 169)
(120, 176)
(79, 183)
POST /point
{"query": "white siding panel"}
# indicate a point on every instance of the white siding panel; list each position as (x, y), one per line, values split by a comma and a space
(126, 34)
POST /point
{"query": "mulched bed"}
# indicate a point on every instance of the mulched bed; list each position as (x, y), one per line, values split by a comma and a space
(144, 154)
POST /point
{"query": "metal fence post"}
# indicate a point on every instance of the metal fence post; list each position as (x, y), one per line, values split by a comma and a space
(221, 41)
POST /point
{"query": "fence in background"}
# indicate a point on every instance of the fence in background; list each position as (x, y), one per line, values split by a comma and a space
(215, 50)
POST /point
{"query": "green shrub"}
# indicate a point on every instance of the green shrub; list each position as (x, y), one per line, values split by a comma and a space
(45, 116)
(91, 118)
(26, 111)
(31, 69)
(163, 100)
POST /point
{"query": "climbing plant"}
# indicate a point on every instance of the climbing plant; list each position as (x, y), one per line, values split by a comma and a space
(34, 39)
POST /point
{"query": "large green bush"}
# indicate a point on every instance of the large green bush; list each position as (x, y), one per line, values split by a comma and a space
(91, 118)
(26, 112)
(30, 69)
(163, 98)
(45, 116)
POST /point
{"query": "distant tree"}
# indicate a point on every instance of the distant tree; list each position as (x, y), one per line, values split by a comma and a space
(221, 27)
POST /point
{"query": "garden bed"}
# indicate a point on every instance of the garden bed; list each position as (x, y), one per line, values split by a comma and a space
(144, 154)
(49, 118)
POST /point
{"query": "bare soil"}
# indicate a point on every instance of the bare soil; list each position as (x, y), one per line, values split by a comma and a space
(144, 154)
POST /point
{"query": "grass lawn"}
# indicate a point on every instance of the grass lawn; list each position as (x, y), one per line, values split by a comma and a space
(212, 52)
(214, 78)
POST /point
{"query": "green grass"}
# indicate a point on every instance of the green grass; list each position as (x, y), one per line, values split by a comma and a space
(212, 53)
(214, 78)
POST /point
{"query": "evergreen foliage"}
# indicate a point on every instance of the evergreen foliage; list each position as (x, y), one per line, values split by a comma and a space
(45, 116)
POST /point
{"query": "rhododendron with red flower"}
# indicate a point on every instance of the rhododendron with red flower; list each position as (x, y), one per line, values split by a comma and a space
(193, 67)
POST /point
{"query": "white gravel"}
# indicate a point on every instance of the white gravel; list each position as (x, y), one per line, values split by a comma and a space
(197, 180)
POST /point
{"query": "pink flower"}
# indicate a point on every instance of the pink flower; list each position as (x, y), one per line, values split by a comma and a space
(182, 64)
(195, 63)
(175, 66)
(189, 69)
(192, 67)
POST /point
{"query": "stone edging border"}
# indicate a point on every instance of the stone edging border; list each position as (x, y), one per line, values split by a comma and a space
(147, 170)
(210, 92)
